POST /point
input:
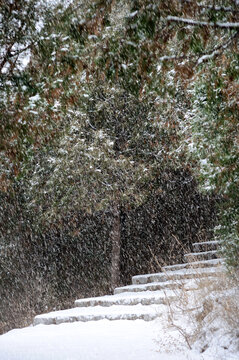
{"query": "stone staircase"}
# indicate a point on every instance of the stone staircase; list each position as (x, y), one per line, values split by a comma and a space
(149, 294)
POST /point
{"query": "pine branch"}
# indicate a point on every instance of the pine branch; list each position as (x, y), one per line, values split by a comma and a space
(192, 22)
(203, 56)
(216, 51)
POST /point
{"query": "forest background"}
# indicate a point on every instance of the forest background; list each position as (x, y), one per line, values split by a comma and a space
(118, 143)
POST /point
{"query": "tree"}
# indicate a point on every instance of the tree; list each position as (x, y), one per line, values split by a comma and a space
(211, 126)
(121, 48)
(21, 23)
(104, 160)
(106, 121)
(197, 66)
(35, 72)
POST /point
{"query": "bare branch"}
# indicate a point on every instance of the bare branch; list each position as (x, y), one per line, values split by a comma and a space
(192, 22)
(11, 54)
(18, 52)
(6, 57)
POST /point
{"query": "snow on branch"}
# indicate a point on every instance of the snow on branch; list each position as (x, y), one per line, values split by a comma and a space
(212, 7)
(9, 54)
(205, 56)
(216, 51)
(192, 22)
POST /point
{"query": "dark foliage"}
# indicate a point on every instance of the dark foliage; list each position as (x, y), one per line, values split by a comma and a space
(48, 269)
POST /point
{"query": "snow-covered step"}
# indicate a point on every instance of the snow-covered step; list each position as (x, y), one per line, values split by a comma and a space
(206, 245)
(194, 264)
(204, 255)
(166, 286)
(154, 286)
(128, 298)
(115, 312)
(177, 275)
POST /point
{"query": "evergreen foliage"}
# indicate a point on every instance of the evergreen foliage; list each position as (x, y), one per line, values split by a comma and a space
(107, 107)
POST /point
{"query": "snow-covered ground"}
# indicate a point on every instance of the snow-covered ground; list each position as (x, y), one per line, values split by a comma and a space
(113, 340)
(101, 340)
(199, 322)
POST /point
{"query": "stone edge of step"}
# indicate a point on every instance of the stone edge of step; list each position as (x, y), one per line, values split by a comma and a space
(136, 299)
(177, 274)
(203, 243)
(194, 264)
(153, 286)
(57, 321)
(199, 246)
(201, 253)
(162, 281)
(49, 319)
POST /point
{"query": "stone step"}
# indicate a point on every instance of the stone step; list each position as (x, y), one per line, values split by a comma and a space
(206, 245)
(114, 312)
(199, 256)
(154, 286)
(128, 298)
(195, 264)
(166, 286)
(177, 275)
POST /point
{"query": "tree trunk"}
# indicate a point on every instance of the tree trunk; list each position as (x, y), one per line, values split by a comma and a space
(116, 245)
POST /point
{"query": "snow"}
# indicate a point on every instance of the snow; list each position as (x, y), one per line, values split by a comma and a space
(178, 274)
(34, 98)
(195, 264)
(209, 252)
(193, 323)
(165, 285)
(133, 13)
(127, 298)
(115, 340)
(223, 25)
(24, 59)
(102, 340)
(96, 313)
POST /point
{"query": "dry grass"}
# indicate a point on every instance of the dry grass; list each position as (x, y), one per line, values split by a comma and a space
(214, 304)
(205, 314)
